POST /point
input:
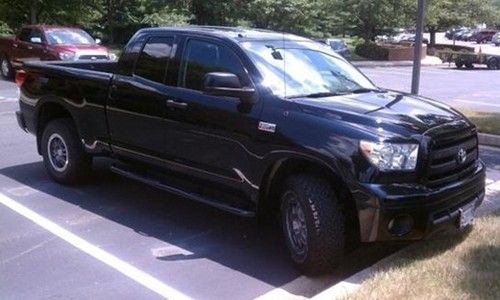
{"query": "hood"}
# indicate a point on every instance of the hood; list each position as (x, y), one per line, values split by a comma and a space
(387, 111)
(94, 48)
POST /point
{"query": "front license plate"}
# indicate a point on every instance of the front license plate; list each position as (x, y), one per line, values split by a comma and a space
(466, 215)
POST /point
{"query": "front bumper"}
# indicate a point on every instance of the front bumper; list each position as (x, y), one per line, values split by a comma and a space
(430, 210)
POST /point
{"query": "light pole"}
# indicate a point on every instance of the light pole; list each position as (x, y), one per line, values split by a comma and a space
(415, 82)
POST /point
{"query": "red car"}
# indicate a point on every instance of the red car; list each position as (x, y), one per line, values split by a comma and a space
(44, 42)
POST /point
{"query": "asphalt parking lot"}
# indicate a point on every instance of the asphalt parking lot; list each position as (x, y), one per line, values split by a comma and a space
(115, 238)
(476, 89)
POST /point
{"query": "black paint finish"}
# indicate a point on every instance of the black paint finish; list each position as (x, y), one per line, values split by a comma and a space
(216, 141)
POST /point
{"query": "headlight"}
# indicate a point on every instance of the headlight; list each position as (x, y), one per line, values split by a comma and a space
(390, 156)
(112, 56)
(67, 55)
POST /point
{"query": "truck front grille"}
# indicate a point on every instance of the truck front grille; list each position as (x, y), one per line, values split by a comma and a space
(92, 57)
(444, 163)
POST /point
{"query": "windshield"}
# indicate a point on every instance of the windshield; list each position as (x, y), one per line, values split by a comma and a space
(304, 68)
(69, 36)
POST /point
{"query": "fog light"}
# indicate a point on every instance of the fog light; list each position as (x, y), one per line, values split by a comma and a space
(400, 225)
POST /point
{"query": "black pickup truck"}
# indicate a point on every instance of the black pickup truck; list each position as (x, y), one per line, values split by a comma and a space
(266, 124)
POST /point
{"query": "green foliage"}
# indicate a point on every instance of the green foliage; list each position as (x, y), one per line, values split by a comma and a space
(5, 29)
(116, 20)
(372, 51)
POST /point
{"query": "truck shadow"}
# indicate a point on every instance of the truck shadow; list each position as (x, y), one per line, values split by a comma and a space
(241, 244)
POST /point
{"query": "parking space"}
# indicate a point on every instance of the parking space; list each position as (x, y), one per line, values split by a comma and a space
(115, 238)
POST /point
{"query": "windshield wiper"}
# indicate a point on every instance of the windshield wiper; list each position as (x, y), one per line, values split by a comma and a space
(366, 90)
(315, 95)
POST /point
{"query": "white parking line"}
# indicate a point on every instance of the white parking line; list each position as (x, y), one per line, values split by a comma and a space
(121, 266)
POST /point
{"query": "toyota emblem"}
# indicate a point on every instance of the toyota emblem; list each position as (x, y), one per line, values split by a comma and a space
(461, 156)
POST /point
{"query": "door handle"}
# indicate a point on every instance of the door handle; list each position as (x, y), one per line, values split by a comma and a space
(14, 45)
(29, 47)
(176, 104)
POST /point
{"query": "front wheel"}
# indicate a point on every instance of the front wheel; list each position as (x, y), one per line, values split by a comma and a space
(313, 223)
(63, 155)
(459, 64)
(469, 66)
(6, 68)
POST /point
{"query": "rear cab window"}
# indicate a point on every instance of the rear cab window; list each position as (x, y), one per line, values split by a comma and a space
(154, 58)
(201, 57)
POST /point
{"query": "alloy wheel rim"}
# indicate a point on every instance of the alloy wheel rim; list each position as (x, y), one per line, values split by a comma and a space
(57, 152)
(296, 225)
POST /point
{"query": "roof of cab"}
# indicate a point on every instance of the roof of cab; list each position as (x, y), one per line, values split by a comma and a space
(237, 34)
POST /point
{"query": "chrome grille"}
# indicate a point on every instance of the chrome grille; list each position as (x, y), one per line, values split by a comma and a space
(92, 57)
(444, 165)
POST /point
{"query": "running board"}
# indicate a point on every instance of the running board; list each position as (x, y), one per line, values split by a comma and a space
(179, 192)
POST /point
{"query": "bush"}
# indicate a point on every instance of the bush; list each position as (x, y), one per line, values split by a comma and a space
(4, 28)
(372, 51)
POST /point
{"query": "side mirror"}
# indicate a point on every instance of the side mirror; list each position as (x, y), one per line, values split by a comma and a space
(36, 40)
(98, 41)
(227, 84)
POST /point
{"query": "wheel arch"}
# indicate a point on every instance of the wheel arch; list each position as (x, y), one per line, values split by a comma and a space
(47, 111)
(279, 170)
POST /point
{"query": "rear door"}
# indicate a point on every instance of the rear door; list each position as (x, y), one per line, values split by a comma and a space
(137, 102)
(208, 135)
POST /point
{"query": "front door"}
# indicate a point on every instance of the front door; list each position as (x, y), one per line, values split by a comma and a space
(210, 135)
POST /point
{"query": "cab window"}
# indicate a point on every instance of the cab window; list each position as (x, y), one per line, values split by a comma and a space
(202, 57)
(153, 59)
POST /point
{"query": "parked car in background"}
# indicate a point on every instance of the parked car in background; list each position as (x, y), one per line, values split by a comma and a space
(483, 36)
(451, 34)
(496, 39)
(45, 42)
(339, 46)
(460, 35)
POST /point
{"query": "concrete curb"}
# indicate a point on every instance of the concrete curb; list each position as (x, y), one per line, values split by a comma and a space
(489, 139)
(386, 64)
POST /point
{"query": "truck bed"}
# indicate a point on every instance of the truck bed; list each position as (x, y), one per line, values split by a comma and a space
(81, 87)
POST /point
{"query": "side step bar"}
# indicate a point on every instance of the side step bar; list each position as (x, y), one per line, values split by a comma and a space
(193, 196)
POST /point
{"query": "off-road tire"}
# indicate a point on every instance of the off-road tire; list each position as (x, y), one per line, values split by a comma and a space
(324, 219)
(78, 164)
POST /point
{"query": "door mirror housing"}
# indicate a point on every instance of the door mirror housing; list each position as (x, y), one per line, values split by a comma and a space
(227, 84)
(36, 40)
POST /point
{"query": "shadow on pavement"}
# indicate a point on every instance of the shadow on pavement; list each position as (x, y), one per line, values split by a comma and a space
(240, 244)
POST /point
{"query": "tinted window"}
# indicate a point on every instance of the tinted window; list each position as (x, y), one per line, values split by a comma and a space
(24, 35)
(153, 60)
(204, 57)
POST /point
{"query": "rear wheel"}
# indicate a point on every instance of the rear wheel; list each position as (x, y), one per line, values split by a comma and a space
(313, 223)
(469, 65)
(459, 64)
(63, 155)
(5, 67)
